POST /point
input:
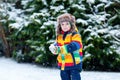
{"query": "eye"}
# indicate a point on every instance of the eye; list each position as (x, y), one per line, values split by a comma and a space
(62, 24)
(67, 23)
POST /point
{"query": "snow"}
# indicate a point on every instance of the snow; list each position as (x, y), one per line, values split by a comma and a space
(84, 23)
(71, 1)
(24, 2)
(91, 1)
(35, 15)
(51, 41)
(115, 34)
(24, 71)
(15, 15)
(102, 31)
(48, 23)
(57, 8)
(17, 71)
(44, 2)
(90, 45)
(80, 7)
(100, 5)
(44, 10)
(11, 70)
(105, 1)
(98, 18)
(108, 4)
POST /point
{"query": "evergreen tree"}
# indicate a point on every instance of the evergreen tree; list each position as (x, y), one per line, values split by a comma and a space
(98, 41)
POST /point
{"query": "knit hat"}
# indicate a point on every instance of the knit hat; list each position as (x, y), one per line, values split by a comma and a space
(66, 17)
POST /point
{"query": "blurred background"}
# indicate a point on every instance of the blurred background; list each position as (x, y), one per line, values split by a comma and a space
(27, 28)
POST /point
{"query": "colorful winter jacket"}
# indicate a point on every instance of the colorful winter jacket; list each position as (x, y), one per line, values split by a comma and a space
(73, 44)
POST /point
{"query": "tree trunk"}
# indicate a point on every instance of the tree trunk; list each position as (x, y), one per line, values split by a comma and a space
(5, 43)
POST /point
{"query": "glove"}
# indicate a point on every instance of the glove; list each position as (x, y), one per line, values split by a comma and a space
(53, 49)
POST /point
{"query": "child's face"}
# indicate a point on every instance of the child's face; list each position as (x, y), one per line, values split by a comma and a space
(65, 26)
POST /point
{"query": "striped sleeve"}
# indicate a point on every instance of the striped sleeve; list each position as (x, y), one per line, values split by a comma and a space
(76, 43)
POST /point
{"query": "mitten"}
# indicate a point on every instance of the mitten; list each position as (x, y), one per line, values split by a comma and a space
(53, 49)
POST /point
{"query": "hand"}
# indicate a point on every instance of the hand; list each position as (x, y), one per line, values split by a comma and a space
(53, 49)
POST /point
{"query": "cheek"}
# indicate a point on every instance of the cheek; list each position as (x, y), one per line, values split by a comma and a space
(69, 26)
(62, 26)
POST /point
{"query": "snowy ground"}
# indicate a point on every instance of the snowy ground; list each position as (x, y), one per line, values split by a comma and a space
(11, 70)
